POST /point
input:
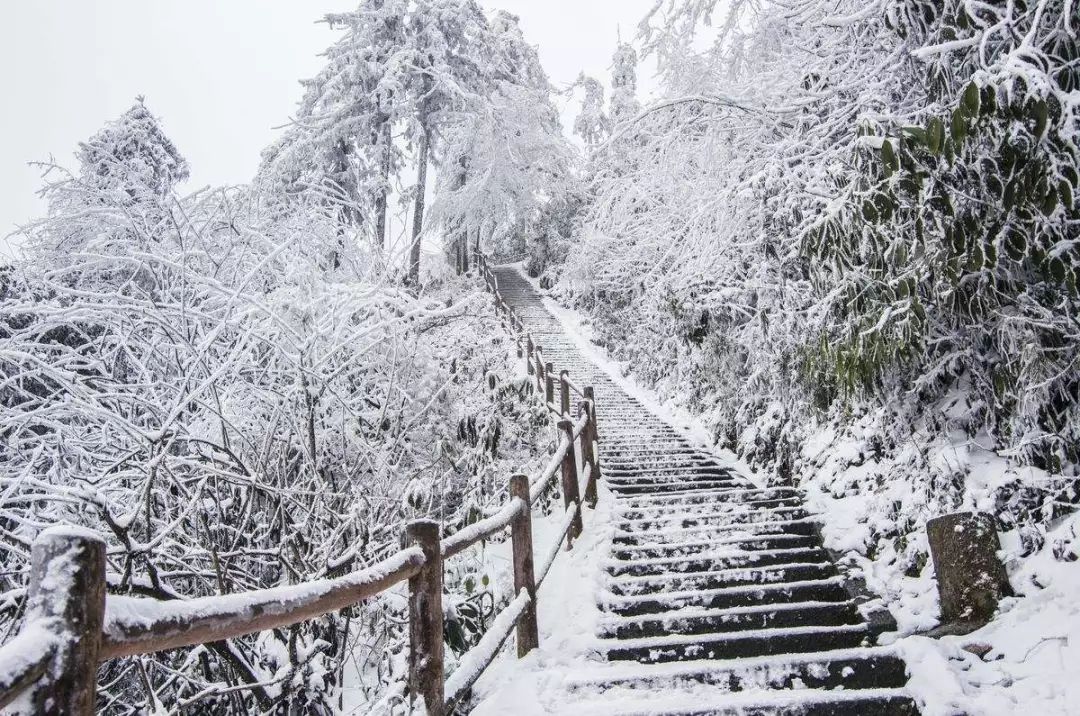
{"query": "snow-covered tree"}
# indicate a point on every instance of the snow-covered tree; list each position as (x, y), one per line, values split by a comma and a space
(132, 154)
(129, 166)
(453, 50)
(591, 123)
(505, 155)
(513, 159)
(340, 146)
(624, 101)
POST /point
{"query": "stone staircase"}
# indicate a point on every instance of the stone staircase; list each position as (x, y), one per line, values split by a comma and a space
(718, 597)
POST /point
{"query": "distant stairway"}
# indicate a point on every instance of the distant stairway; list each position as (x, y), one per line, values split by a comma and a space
(719, 598)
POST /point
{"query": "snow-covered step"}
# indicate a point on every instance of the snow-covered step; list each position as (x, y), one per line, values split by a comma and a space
(690, 519)
(803, 526)
(694, 620)
(639, 513)
(668, 484)
(710, 702)
(693, 547)
(677, 583)
(671, 488)
(753, 642)
(708, 562)
(829, 588)
(648, 458)
(710, 510)
(701, 496)
(846, 669)
(617, 472)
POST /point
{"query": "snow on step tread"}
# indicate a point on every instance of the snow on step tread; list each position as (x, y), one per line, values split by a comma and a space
(698, 702)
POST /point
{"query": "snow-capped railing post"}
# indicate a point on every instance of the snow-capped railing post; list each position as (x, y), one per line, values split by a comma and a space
(528, 636)
(67, 593)
(564, 393)
(549, 383)
(426, 678)
(529, 353)
(589, 439)
(571, 494)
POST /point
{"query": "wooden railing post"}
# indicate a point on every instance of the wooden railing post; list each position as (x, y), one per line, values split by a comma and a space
(549, 382)
(564, 393)
(426, 678)
(529, 353)
(589, 439)
(571, 494)
(67, 590)
(528, 636)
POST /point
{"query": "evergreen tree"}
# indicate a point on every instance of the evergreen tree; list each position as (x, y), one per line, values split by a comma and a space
(452, 50)
(340, 146)
(624, 102)
(132, 155)
(591, 123)
(505, 154)
(127, 173)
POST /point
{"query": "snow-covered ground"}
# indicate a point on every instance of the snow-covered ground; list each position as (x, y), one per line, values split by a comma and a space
(567, 615)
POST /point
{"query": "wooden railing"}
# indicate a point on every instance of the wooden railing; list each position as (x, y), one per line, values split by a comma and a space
(71, 626)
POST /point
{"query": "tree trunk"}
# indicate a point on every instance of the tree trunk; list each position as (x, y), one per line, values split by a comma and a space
(384, 193)
(418, 210)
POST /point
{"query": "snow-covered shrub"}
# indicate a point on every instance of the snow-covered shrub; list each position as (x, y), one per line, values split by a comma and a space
(236, 399)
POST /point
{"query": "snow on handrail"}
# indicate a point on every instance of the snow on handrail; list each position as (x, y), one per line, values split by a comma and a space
(25, 659)
(585, 475)
(579, 426)
(540, 485)
(139, 626)
(553, 551)
(478, 658)
(461, 541)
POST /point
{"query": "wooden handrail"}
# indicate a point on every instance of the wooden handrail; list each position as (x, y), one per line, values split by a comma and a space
(482, 530)
(477, 659)
(564, 529)
(72, 627)
(25, 659)
(141, 626)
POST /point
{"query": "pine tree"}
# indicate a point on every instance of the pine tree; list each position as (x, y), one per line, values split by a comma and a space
(504, 154)
(624, 102)
(122, 190)
(591, 123)
(132, 155)
(340, 145)
(452, 49)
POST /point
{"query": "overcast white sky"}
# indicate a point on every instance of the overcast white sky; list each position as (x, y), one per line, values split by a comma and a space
(220, 73)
